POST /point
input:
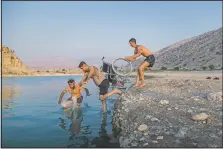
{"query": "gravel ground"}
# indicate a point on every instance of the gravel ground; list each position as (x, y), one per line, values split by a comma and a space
(170, 112)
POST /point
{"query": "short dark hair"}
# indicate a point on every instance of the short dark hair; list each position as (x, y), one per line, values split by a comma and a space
(132, 40)
(81, 64)
(70, 81)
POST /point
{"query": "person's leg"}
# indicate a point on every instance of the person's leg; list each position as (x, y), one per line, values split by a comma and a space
(105, 96)
(141, 69)
(137, 79)
(104, 105)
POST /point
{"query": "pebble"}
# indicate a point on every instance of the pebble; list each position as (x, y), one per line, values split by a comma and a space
(145, 133)
(134, 144)
(154, 119)
(190, 111)
(141, 139)
(169, 109)
(159, 138)
(164, 102)
(148, 117)
(125, 142)
(142, 127)
(200, 117)
(154, 141)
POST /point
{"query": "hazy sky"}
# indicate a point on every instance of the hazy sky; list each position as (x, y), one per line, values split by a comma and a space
(76, 30)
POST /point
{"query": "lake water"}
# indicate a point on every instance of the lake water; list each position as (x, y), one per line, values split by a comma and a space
(31, 116)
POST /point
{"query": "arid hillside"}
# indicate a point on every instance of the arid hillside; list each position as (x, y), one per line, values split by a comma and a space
(193, 53)
(11, 64)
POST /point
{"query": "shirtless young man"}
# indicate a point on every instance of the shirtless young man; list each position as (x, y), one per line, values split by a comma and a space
(148, 62)
(92, 72)
(75, 91)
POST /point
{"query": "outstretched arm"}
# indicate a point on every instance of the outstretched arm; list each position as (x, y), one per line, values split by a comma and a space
(133, 58)
(61, 96)
(83, 79)
(90, 74)
(86, 90)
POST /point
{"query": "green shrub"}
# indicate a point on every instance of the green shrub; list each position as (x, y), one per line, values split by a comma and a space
(47, 71)
(163, 68)
(176, 68)
(204, 67)
(211, 67)
(63, 69)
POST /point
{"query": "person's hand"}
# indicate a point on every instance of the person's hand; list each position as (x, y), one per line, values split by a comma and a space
(127, 58)
(84, 82)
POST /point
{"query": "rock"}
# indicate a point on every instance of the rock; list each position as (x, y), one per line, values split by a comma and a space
(154, 141)
(159, 138)
(148, 117)
(142, 127)
(169, 109)
(190, 111)
(134, 144)
(145, 133)
(154, 119)
(164, 102)
(181, 133)
(125, 143)
(176, 108)
(142, 139)
(200, 117)
(215, 96)
(145, 144)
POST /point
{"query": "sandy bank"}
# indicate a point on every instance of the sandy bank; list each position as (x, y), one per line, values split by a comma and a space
(39, 75)
(184, 74)
(160, 114)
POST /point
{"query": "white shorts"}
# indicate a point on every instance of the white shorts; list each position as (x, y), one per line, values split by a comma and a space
(70, 103)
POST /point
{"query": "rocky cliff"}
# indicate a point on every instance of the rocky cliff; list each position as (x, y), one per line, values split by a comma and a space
(11, 64)
(193, 53)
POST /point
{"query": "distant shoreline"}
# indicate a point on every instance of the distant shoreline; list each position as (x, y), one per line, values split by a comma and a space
(40, 75)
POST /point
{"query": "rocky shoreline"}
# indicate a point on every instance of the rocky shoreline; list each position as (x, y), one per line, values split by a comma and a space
(170, 112)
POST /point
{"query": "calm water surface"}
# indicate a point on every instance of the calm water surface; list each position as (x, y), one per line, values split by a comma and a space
(31, 116)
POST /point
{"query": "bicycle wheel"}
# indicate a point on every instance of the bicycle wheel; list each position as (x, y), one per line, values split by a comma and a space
(122, 67)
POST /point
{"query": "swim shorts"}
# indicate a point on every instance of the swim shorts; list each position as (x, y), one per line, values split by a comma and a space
(151, 60)
(80, 99)
(103, 87)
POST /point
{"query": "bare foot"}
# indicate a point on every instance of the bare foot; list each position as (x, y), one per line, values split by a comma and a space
(136, 85)
(143, 84)
(118, 92)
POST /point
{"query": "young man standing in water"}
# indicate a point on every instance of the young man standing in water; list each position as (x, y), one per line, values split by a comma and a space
(92, 72)
(148, 62)
(75, 91)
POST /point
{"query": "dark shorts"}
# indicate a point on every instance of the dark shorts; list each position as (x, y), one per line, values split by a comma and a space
(80, 99)
(103, 87)
(151, 60)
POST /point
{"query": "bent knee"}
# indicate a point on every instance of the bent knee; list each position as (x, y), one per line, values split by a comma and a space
(140, 68)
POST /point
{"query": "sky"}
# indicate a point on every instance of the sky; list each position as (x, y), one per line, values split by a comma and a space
(61, 33)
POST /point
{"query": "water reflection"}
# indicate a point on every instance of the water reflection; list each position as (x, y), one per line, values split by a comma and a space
(104, 140)
(76, 117)
(80, 136)
(9, 94)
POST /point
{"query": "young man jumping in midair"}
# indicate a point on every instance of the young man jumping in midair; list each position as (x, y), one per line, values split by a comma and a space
(148, 62)
(92, 72)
